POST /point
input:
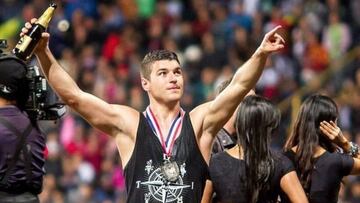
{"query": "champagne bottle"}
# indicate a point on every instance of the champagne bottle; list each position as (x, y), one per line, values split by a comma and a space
(26, 45)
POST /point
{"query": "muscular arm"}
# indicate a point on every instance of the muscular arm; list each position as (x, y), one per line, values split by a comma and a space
(98, 113)
(290, 184)
(222, 107)
(210, 117)
(103, 116)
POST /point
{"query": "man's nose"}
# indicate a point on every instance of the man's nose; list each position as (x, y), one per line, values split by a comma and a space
(172, 77)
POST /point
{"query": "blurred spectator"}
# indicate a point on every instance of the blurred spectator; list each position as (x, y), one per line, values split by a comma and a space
(337, 38)
(316, 58)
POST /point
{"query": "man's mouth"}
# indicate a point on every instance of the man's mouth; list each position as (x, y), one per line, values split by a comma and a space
(174, 88)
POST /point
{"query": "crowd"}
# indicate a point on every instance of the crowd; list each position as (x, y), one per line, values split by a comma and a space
(101, 44)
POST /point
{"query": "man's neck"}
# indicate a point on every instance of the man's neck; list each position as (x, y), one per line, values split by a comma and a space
(164, 112)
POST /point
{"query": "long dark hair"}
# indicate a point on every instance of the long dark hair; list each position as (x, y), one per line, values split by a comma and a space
(256, 121)
(306, 134)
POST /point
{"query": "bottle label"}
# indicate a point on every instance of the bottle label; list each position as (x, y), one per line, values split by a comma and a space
(23, 43)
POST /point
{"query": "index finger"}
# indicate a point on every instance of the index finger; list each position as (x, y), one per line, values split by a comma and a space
(278, 36)
(271, 32)
(328, 126)
(33, 20)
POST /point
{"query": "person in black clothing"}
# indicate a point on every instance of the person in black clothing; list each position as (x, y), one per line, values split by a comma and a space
(164, 150)
(312, 148)
(226, 137)
(22, 144)
(250, 172)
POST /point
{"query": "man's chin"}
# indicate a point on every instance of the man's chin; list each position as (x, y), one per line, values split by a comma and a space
(174, 98)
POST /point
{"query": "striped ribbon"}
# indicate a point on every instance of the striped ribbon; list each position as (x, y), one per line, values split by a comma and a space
(174, 130)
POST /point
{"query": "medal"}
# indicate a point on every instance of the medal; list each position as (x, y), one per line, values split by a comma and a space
(169, 169)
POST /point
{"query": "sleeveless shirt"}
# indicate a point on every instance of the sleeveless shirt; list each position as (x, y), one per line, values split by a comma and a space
(144, 180)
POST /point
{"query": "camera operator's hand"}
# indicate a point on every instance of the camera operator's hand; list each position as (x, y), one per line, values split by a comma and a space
(43, 43)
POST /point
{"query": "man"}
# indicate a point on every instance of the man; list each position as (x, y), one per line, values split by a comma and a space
(164, 150)
(21, 142)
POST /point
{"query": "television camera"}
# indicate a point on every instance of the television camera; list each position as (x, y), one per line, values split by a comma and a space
(41, 104)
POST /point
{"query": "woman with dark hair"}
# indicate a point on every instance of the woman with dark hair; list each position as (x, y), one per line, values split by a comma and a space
(312, 148)
(250, 172)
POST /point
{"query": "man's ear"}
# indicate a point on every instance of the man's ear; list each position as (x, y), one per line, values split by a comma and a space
(145, 84)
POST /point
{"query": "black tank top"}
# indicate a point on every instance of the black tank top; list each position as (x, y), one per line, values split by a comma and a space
(144, 181)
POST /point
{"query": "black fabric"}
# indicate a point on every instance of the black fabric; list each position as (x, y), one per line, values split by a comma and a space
(329, 169)
(21, 137)
(12, 77)
(228, 177)
(144, 181)
(28, 160)
(223, 140)
(17, 181)
(18, 198)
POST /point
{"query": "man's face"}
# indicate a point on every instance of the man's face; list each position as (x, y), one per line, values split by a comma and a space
(166, 81)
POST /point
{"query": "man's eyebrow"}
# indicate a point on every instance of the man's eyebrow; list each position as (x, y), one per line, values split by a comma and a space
(162, 69)
(167, 69)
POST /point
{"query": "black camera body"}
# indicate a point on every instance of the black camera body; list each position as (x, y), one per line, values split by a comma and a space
(42, 102)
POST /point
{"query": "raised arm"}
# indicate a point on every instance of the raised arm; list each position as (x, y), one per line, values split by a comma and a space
(213, 115)
(103, 116)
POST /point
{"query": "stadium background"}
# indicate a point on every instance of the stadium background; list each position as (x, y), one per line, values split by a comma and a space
(101, 44)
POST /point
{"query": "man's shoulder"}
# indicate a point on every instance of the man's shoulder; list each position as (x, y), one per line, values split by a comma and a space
(125, 119)
(126, 112)
(197, 115)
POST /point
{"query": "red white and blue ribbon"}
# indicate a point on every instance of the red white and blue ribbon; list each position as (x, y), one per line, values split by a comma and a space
(174, 131)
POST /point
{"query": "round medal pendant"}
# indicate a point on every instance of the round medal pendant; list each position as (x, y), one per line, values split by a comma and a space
(170, 171)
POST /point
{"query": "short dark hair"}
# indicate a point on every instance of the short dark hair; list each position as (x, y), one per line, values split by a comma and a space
(156, 55)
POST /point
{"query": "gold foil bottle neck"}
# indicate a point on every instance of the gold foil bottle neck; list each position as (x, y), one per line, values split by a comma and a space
(46, 16)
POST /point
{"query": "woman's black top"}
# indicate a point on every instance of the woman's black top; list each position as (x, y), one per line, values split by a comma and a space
(329, 169)
(228, 177)
(144, 179)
